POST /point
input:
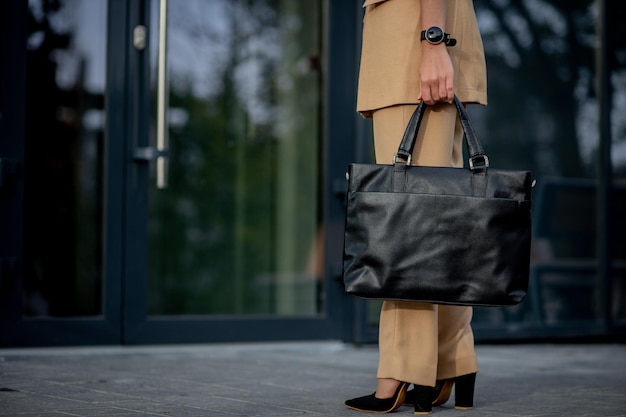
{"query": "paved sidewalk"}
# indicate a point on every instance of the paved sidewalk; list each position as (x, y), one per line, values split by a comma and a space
(294, 379)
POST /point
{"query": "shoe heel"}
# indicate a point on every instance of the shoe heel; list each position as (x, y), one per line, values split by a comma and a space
(423, 399)
(464, 391)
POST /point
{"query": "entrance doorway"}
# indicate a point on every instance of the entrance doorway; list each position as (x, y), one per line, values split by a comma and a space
(172, 183)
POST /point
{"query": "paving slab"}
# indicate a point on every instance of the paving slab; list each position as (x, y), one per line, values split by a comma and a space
(304, 379)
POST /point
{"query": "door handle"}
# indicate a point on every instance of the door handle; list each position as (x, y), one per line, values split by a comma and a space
(149, 153)
(162, 128)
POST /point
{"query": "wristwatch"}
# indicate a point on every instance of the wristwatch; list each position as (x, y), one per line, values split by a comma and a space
(435, 35)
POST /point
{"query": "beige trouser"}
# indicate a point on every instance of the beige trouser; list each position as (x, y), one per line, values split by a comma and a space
(422, 342)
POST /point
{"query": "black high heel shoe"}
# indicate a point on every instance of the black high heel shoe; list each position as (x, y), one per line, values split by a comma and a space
(371, 404)
(443, 389)
(463, 391)
(440, 394)
(423, 399)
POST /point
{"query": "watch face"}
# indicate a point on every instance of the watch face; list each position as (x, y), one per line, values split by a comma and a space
(434, 34)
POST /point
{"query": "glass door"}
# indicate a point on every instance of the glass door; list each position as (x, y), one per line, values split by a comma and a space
(224, 231)
(59, 284)
(165, 170)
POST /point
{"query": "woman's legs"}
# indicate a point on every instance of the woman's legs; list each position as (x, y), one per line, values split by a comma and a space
(456, 354)
(407, 343)
(421, 342)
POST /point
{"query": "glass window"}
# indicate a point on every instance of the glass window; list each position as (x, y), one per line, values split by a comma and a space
(543, 115)
(64, 158)
(237, 230)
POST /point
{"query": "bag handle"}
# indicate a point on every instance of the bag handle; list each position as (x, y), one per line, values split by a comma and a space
(477, 157)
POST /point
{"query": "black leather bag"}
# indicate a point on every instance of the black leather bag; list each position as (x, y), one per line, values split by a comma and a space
(456, 236)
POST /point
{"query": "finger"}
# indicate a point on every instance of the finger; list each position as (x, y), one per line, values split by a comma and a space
(426, 96)
(434, 93)
(450, 89)
(443, 90)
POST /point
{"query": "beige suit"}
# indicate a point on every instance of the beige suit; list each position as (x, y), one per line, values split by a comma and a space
(419, 342)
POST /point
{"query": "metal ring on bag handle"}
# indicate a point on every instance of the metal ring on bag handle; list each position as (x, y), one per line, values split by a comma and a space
(483, 162)
(395, 159)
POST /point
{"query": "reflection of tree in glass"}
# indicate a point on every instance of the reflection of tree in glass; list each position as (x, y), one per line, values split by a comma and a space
(540, 55)
(247, 105)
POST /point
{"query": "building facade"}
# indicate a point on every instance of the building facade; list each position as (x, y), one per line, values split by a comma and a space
(172, 171)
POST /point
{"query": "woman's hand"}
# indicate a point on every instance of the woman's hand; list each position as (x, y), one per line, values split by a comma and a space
(436, 74)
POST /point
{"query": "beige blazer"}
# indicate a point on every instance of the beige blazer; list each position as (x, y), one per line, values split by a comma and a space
(391, 53)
